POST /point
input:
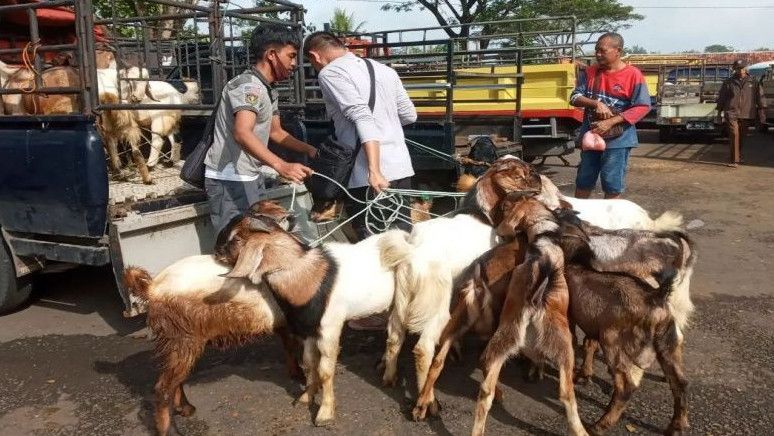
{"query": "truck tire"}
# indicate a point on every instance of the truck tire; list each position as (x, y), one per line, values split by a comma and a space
(664, 134)
(14, 291)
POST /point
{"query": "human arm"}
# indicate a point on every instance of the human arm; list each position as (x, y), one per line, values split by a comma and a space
(244, 123)
(578, 97)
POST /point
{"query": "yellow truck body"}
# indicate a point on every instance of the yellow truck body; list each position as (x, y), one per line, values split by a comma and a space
(546, 90)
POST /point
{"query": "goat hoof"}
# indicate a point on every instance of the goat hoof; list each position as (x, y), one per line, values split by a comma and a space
(434, 409)
(597, 430)
(303, 399)
(390, 381)
(325, 422)
(186, 411)
(419, 412)
(499, 395)
(675, 430)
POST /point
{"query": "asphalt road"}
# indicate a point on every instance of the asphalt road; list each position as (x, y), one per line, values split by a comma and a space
(70, 364)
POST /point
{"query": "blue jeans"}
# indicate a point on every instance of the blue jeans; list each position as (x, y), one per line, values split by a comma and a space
(609, 166)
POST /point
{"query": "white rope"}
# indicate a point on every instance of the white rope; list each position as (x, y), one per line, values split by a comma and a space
(385, 208)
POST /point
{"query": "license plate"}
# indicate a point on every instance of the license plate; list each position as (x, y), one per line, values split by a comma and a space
(702, 125)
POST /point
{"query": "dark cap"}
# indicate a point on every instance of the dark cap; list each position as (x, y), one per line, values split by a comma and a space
(739, 64)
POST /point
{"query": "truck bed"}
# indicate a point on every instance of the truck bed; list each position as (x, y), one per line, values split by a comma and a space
(167, 182)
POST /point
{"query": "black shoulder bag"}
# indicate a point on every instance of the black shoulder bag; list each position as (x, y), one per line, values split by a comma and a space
(193, 169)
(336, 160)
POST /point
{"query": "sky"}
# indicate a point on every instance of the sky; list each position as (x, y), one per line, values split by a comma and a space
(668, 27)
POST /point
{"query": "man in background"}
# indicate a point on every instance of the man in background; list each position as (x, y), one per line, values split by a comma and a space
(740, 102)
(612, 93)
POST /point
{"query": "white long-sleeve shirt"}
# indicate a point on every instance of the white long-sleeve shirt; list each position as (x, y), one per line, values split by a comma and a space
(345, 87)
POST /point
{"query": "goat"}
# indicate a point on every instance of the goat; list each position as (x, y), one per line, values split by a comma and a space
(621, 309)
(436, 254)
(609, 214)
(162, 123)
(20, 78)
(190, 304)
(318, 289)
(54, 104)
(534, 322)
(118, 125)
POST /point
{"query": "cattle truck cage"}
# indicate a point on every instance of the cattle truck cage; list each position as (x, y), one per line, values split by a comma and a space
(469, 86)
(172, 41)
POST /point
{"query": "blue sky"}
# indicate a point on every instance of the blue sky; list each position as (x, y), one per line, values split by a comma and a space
(694, 25)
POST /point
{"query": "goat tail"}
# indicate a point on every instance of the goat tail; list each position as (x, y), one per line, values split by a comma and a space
(680, 305)
(138, 282)
(669, 220)
(395, 252)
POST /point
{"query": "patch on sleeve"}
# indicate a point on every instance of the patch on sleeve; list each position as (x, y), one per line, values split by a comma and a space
(251, 93)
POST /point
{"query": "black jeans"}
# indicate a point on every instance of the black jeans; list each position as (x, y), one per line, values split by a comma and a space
(359, 223)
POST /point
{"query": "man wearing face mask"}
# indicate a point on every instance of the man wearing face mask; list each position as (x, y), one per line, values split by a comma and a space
(248, 117)
(741, 99)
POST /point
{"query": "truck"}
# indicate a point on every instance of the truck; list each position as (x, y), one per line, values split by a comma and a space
(687, 96)
(59, 204)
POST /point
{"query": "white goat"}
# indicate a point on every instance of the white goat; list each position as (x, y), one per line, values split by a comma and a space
(162, 123)
(319, 289)
(609, 214)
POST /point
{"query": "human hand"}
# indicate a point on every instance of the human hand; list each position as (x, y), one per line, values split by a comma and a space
(311, 152)
(377, 181)
(603, 111)
(602, 127)
(294, 172)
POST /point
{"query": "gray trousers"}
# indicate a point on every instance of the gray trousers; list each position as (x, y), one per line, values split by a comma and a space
(229, 199)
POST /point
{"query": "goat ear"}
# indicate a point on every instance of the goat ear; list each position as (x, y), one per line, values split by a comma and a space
(486, 196)
(256, 224)
(564, 205)
(249, 259)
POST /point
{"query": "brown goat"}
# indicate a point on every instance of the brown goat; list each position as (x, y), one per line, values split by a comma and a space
(534, 322)
(191, 304)
(54, 104)
(478, 307)
(631, 319)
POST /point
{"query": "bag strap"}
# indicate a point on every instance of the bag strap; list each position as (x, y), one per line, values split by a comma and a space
(595, 84)
(372, 92)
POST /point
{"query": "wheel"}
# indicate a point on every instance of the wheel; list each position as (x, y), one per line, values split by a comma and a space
(664, 134)
(13, 291)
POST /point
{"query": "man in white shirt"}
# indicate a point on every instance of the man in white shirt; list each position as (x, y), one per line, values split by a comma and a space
(247, 118)
(384, 159)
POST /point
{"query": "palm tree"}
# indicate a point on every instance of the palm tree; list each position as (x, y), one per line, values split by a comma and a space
(341, 22)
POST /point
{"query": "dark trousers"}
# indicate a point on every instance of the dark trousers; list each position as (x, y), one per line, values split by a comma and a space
(737, 130)
(359, 223)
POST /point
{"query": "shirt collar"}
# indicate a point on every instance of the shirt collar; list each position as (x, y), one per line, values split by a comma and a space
(260, 77)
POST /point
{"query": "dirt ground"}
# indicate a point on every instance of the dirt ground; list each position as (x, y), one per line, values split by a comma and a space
(70, 364)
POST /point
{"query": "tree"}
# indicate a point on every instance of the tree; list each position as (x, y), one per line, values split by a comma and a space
(718, 48)
(343, 23)
(762, 49)
(594, 16)
(636, 49)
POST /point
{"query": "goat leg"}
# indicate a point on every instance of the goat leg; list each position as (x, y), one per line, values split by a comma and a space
(329, 350)
(182, 406)
(290, 346)
(494, 357)
(169, 386)
(455, 328)
(139, 162)
(311, 362)
(396, 334)
(669, 351)
(623, 388)
(587, 367)
(561, 340)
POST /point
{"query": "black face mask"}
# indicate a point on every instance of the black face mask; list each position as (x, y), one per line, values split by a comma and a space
(278, 69)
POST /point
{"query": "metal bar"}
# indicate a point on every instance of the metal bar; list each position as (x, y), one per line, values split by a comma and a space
(449, 26)
(450, 80)
(216, 49)
(150, 18)
(152, 106)
(46, 4)
(34, 39)
(86, 58)
(517, 119)
(57, 47)
(249, 17)
(185, 5)
(265, 9)
(42, 90)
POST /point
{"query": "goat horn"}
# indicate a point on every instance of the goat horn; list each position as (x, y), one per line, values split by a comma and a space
(256, 224)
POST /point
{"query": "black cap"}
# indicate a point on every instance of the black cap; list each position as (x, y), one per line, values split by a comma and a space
(739, 64)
